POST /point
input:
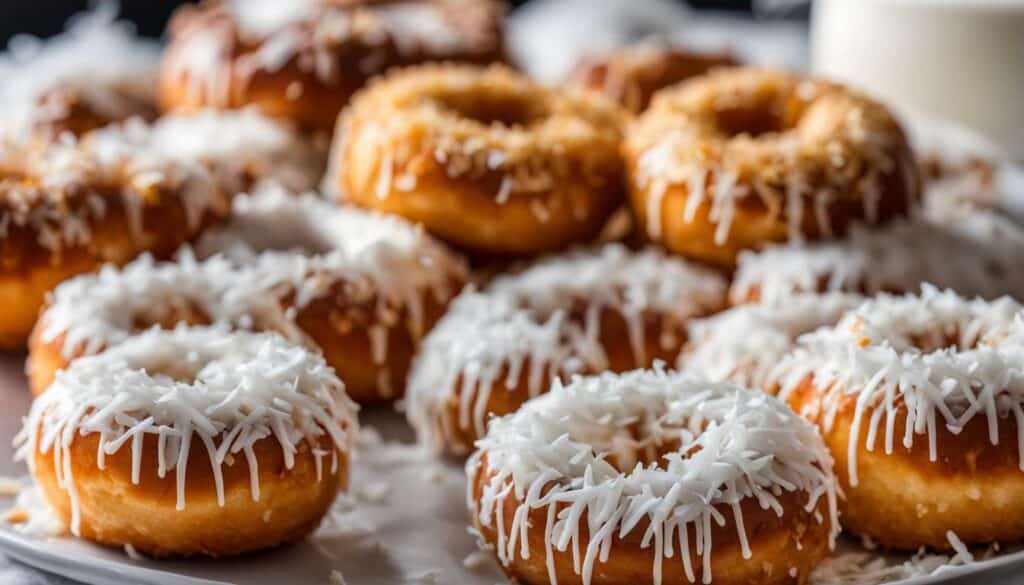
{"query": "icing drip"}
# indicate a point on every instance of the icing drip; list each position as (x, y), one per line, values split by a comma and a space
(227, 391)
(971, 251)
(725, 445)
(935, 358)
(546, 322)
(745, 343)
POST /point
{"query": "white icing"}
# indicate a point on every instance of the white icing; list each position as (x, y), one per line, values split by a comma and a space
(745, 343)
(227, 391)
(523, 328)
(936, 358)
(96, 57)
(973, 252)
(733, 445)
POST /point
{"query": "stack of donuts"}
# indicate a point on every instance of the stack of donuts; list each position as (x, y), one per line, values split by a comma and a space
(684, 320)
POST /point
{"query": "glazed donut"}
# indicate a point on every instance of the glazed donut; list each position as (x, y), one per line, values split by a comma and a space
(745, 343)
(653, 477)
(70, 207)
(632, 75)
(303, 60)
(971, 251)
(96, 73)
(483, 158)
(919, 398)
(360, 287)
(584, 312)
(769, 157)
(192, 442)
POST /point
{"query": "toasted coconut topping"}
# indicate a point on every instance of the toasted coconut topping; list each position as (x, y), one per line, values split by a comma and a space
(794, 145)
(475, 123)
(662, 453)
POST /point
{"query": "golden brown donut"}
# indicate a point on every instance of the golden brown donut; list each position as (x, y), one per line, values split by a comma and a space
(362, 288)
(241, 481)
(603, 481)
(303, 60)
(483, 158)
(632, 75)
(918, 398)
(68, 208)
(587, 311)
(743, 157)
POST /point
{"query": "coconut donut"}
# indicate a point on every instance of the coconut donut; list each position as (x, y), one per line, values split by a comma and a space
(741, 158)
(241, 148)
(192, 442)
(302, 60)
(632, 75)
(584, 312)
(653, 477)
(921, 401)
(483, 158)
(971, 251)
(68, 208)
(96, 73)
(745, 343)
(363, 287)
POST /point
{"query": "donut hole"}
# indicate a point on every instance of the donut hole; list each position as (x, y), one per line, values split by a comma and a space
(953, 338)
(508, 109)
(643, 442)
(750, 120)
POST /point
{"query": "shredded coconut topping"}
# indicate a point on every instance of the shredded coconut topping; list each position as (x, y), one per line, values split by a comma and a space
(971, 251)
(545, 322)
(935, 358)
(97, 60)
(745, 343)
(608, 452)
(61, 190)
(228, 391)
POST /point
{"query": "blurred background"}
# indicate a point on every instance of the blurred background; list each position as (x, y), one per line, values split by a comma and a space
(47, 17)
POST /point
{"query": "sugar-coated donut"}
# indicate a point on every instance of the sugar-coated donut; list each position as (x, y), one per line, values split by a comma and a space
(303, 59)
(632, 75)
(743, 157)
(653, 477)
(584, 312)
(361, 287)
(96, 73)
(69, 207)
(192, 442)
(483, 158)
(972, 251)
(921, 401)
(745, 343)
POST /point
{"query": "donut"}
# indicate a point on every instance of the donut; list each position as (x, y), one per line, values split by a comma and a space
(586, 311)
(769, 157)
(70, 207)
(919, 399)
(974, 252)
(95, 73)
(653, 477)
(192, 441)
(241, 148)
(483, 158)
(359, 287)
(744, 344)
(303, 60)
(631, 75)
